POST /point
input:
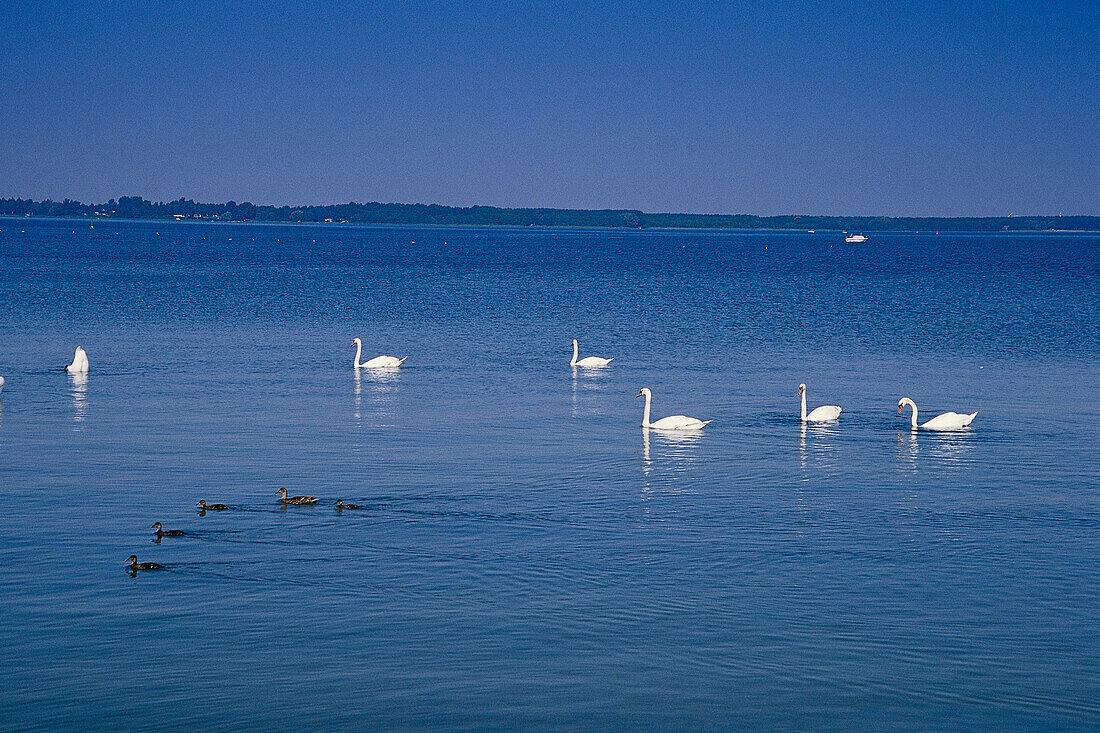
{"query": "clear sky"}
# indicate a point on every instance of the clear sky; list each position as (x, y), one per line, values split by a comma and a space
(944, 108)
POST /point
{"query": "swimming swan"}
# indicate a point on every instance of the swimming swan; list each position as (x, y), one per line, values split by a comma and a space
(946, 421)
(588, 361)
(825, 413)
(1, 384)
(378, 362)
(672, 422)
(80, 362)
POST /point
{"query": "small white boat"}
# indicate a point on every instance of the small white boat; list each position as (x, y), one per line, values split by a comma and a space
(855, 238)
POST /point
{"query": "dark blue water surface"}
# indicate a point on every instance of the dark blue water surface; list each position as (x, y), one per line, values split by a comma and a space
(528, 556)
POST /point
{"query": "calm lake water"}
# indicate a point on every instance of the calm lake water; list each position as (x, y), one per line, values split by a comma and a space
(527, 556)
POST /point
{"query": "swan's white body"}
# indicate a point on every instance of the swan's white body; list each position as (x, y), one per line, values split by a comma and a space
(378, 362)
(672, 422)
(825, 413)
(946, 421)
(1, 384)
(588, 361)
(80, 362)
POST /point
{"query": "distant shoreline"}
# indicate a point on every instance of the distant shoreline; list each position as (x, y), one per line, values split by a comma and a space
(136, 207)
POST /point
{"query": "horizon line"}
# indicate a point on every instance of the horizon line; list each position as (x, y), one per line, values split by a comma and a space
(189, 208)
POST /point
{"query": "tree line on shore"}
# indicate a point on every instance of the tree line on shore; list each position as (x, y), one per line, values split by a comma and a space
(136, 207)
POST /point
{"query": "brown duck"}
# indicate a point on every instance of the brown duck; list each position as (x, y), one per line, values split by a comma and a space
(168, 532)
(211, 507)
(135, 565)
(295, 499)
(341, 505)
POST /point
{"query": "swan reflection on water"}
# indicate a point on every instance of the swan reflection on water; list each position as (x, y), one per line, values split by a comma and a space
(79, 385)
(676, 447)
(358, 394)
(946, 448)
(954, 447)
(821, 447)
(591, 383)
(380, 384)
(908, 449)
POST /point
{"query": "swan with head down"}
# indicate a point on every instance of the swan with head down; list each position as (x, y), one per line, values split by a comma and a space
(378, 362)
(80, 362)
(946, 421)
(825, 413)
(588, 361)
(672, 422)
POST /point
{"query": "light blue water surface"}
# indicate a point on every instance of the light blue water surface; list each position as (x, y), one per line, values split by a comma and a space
(528, 556)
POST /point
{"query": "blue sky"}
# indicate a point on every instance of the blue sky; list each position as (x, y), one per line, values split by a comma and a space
(948, 109)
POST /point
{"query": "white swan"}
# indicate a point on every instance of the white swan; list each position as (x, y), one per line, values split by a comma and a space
(825, 413)
(672, 422)
(946, 421)
(378, 362)
(1, 384)
(588, 361)
(80, 362)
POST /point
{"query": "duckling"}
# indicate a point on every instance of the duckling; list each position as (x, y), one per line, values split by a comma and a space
(135, 565)
(295, 499)
(341, 505)
(211, 507)
(169, 532)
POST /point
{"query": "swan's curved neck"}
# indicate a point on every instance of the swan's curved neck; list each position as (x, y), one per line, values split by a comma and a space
(358, 353)
(574, 360)
(645, 412)
(803, 405)
(913, 419)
